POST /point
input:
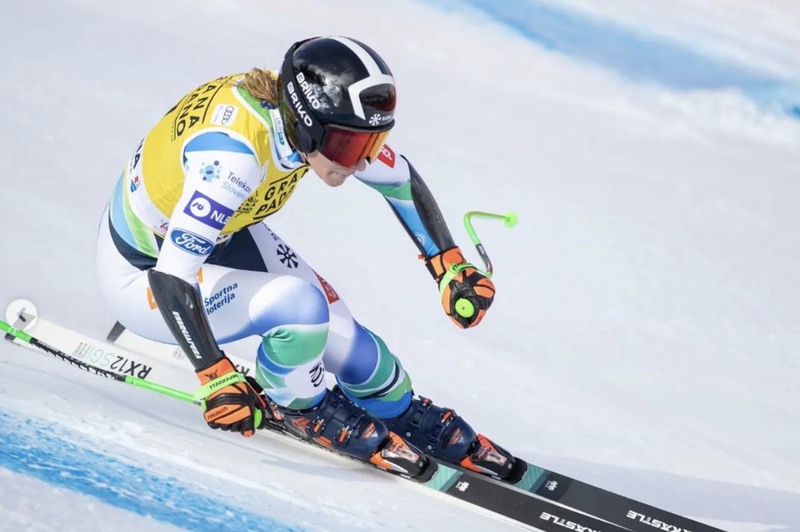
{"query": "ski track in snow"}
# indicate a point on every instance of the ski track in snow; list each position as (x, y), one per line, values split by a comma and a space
(162, 463)
(631, 51)
(644, 336)
(36, 506)
(34, 448)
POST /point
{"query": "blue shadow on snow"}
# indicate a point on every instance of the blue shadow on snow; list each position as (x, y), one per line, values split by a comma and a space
(31, 448)
(631, 53)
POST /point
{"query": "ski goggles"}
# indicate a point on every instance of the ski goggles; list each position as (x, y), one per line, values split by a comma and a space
(346, 146)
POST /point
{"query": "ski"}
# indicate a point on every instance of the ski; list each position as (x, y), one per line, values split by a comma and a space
(543, 499)
(487, 494)
(625, 512)
(632, 514)
(606, 505)
(482, 492)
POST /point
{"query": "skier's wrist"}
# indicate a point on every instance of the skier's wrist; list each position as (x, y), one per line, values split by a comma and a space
(466, 293)
(230, 401)
(215, 370)
(440, 264)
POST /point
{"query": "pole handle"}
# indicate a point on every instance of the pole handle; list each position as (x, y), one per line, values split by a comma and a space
(464, 307)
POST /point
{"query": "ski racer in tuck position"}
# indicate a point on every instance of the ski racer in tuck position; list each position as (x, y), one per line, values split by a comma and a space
(183, 256)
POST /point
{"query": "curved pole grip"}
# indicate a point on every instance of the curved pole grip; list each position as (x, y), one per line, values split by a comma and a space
(464, 307)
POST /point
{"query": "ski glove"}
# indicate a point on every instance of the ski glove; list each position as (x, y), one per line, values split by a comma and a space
(230, 402)
(466, 293)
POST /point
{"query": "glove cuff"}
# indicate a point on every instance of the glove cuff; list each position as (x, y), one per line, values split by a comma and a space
(439, 264)
(219, 375)
(221, 367)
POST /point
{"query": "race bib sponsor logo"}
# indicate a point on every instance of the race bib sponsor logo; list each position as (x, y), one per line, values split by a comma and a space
(136, 182)
(330, 293)
(163, 227)
(191, 243)
(219, 299)
(279, 130)
(136, 158)
(386, 156)
(224, 114)
(206, 210)
(200, 207)
(237, 186)
(271, 199)
(210, 172)
(193, 108)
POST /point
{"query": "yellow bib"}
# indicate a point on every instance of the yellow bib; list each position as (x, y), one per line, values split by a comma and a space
(218, 104)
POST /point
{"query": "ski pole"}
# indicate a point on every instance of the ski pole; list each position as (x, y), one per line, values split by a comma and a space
(509, 219)
(127, 379)
(463, 306)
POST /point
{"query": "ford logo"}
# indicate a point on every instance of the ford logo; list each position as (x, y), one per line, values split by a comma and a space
(191, 243)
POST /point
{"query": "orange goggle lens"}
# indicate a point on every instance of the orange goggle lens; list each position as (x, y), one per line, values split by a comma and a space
(348, 146)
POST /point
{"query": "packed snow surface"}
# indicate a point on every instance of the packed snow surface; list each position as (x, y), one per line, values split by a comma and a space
(645, 333)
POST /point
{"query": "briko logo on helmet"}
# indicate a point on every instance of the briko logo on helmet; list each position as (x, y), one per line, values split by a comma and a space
(307, 92)
(298, 105)
(338, 99)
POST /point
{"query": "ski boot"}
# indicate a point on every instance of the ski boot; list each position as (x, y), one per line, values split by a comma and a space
(443, 434)
(272, 415)
(339, 425)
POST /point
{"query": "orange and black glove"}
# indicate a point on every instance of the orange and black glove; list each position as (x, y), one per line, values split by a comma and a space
(229, 401)
(466, 293)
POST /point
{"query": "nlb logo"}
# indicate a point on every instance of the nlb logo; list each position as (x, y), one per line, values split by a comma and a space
(191, 242)
(204, 209)
(200, 207)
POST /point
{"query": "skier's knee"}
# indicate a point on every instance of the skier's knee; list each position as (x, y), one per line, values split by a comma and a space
(289, 300)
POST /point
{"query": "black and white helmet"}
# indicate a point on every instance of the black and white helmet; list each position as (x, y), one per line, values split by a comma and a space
(335, 81)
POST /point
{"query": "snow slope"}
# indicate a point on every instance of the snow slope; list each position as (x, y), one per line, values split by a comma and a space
(644, 336)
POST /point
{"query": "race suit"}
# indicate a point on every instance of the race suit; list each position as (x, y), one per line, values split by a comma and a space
(191, 202)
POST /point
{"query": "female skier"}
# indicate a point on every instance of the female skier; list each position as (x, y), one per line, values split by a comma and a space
(183, 256)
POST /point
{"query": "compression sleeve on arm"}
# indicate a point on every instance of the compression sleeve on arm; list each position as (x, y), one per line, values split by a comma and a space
(411, 200)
